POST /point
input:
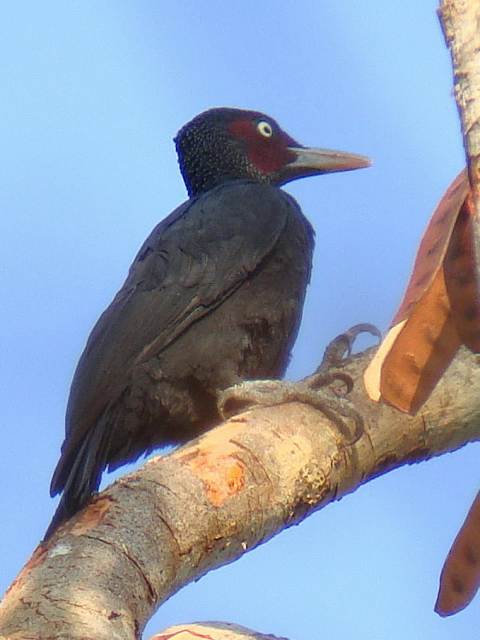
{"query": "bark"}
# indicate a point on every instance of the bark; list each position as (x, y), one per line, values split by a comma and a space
(460, 20)
(211, 631)
(105, 573)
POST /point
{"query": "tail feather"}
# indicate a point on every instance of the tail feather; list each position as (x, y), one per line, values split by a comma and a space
(78, 474)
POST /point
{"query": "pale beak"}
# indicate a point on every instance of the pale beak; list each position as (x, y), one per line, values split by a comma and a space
(309, 161)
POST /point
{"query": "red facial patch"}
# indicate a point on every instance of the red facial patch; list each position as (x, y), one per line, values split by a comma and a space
(268, 155)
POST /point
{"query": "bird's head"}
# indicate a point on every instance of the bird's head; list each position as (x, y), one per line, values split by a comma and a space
(223, 144)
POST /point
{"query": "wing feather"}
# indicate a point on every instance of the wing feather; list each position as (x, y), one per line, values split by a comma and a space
(191, 262)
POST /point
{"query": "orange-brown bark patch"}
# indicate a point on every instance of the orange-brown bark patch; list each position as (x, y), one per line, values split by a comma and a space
(222, 475)
(91, 516)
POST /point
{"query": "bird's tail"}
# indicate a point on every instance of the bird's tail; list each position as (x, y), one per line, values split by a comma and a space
(78, 474)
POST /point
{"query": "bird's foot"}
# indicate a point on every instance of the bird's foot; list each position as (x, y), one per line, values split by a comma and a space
(341, 347)
(311, 390)
(320, 390)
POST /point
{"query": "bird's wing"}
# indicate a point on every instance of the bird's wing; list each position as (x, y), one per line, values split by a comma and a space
(190, 263)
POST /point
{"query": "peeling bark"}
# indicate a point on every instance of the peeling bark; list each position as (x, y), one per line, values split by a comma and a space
(105, 572)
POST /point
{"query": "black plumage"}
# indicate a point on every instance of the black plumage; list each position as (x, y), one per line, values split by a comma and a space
(214, 297)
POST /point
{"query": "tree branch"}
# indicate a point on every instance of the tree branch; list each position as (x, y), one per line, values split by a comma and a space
(105, 572)
(460, 20)
(211, 631)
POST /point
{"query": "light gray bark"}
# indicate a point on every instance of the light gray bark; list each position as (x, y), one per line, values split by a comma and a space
(460, 20)
(211, 631)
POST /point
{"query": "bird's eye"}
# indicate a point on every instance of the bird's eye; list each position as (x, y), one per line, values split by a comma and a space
(265, 129)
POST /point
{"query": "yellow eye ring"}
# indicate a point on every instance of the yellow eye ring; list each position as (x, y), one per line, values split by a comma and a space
(265, 129)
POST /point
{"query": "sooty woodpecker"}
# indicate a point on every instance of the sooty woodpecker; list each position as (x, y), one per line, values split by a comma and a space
(214, 297)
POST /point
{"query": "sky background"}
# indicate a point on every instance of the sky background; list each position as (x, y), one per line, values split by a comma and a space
(91, 95)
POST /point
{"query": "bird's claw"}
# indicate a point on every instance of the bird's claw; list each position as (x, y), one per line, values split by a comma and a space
(310, 390)
(249, 393)
(341, 346)
(322, 378)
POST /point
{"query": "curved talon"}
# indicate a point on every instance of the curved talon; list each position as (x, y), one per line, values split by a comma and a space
(344, 429)
(339, 410)
(244, 395)
(352, 437)
(318, 380)
(335, 411)
(341, 346)
(364, 327)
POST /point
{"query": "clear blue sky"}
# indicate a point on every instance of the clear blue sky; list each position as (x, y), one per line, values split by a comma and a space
(91, 94)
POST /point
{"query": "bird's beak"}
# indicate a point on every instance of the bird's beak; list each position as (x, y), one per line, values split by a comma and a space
(308, 162)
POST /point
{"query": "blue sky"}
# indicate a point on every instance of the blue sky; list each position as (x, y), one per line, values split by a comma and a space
(91, 95)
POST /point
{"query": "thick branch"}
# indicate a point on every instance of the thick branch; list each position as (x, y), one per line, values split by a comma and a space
(104, 574)
(460, 20)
